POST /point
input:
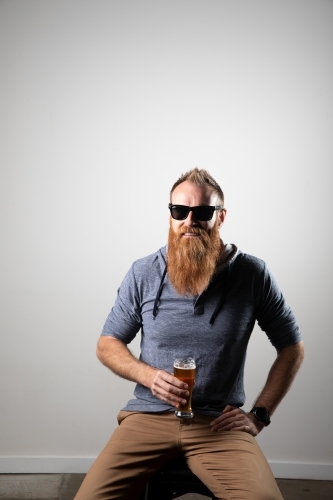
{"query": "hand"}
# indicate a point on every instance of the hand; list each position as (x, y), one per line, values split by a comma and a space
(169, 389)
(235, 419)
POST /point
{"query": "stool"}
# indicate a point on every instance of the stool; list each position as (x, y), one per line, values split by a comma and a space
(174, 480)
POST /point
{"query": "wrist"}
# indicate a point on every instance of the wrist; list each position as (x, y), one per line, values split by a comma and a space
(258, 425)
(149, 374)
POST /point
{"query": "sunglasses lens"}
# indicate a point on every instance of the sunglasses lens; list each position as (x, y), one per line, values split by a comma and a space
(204, 213)
(178, 212)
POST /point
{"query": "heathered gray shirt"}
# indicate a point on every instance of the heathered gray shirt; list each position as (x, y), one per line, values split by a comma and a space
(213, 327)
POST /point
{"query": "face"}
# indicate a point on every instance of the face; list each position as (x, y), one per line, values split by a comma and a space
(194, 246)
(191, 195)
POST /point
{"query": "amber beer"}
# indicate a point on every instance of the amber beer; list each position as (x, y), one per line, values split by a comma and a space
(184, 369)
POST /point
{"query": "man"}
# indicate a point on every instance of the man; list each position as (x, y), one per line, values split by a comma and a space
(201, 297)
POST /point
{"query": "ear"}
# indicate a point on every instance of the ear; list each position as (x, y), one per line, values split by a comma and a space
(222, 216)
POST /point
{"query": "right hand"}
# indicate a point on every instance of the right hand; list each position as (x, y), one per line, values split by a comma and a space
(168, 388)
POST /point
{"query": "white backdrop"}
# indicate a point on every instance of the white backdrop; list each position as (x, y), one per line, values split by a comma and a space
(103, 105)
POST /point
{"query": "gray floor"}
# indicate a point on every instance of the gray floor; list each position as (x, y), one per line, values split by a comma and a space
(64, 487)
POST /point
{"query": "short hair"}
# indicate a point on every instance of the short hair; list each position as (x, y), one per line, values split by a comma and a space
(199, 177)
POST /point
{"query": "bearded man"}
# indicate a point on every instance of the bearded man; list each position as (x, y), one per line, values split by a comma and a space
(200, 297)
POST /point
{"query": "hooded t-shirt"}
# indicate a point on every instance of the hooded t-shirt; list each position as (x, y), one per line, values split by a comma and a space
(214, 327)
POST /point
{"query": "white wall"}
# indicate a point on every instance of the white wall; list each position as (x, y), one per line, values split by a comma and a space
(103, 105)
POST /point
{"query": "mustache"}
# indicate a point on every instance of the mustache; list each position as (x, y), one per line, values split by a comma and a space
(193, 230)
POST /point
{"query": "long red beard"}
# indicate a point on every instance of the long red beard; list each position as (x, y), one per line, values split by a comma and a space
(192, 261)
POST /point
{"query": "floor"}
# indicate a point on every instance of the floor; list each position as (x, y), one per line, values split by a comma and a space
(65, 486)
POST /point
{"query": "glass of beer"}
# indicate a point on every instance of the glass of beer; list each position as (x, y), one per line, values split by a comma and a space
(184, 370)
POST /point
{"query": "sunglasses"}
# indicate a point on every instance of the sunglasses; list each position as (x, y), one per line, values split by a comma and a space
(202, 213)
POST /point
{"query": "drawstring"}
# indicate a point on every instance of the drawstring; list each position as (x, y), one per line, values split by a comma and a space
(159, 293)
(219, 306)
(221, 299)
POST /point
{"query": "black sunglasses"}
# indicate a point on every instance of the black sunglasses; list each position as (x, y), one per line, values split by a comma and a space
(202, 212)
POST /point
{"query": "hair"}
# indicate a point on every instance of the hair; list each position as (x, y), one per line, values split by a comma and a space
(199, 177)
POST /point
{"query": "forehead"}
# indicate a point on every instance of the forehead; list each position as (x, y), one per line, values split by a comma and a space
(190, 194)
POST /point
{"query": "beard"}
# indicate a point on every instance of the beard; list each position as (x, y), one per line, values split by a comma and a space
(192, 260)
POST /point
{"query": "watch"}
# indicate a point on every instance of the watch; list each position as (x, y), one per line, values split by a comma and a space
(261, 414)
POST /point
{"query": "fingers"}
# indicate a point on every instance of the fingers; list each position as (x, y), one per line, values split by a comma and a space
(234, 419)
(169, 389)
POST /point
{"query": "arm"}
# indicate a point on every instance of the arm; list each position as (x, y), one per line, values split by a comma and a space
(279, 381)
(115, 355)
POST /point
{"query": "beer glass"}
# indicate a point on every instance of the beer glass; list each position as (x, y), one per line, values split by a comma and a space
(184, 370)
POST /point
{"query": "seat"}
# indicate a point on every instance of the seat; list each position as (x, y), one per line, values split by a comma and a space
(175, 480)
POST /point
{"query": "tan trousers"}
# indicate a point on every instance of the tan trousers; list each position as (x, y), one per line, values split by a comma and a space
(231, 463)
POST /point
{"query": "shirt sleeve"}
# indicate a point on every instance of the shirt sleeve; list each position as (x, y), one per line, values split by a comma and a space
(124, 320)
(274, 316)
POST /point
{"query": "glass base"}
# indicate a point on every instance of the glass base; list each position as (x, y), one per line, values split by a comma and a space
(184, 414)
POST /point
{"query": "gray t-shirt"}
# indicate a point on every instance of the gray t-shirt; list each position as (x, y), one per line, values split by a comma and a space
(214, 327)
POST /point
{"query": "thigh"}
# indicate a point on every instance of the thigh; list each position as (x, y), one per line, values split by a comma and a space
(140, 445)
(231, 463)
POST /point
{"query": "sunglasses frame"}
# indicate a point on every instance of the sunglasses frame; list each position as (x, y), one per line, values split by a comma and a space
(194, 210)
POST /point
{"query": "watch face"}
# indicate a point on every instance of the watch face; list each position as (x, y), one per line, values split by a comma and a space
(261, 414)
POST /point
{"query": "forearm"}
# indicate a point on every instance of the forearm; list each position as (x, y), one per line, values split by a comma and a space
(281, 377)
(118, 358)
(279, 380)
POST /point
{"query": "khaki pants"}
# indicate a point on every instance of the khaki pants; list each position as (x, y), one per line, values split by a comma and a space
(231, 463)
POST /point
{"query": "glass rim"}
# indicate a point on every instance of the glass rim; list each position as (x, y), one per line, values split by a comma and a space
(189, 360)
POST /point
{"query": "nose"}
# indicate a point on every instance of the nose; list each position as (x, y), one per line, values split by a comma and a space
(191, 219)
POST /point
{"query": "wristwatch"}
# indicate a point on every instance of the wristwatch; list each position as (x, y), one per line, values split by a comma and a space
(261, 414)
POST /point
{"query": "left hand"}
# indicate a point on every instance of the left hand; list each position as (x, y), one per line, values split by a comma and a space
(235, 419)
